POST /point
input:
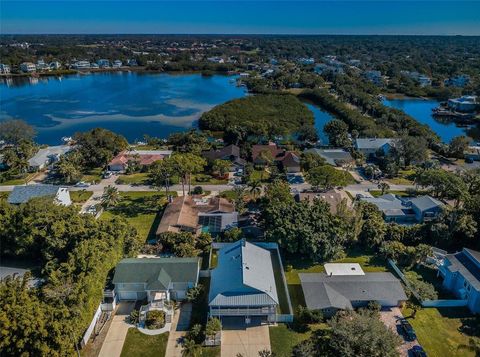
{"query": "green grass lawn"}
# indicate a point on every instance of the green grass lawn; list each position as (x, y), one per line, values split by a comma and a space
(93, 175)
(207, 180)
(141, 209)
(141, 178)
(19, 180)
(209, 352)
(438, 330)
(138, 344)
(283, 339)
(259, 175)
(282, 295)
(80, 196)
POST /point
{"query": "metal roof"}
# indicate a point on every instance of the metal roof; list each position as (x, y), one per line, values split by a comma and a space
(157, 273)
(332, 156)
(244, 277)
(373, 143)
(424, 203)
(322, 291)
(22, 194)
(467, 263)
(45, 154)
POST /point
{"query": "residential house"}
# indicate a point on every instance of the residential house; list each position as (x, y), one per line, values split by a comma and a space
(458, 81)
(4, 68)
(472, 153)
(290, 162)
(47, 156)
(461, 276)
(405, 210)
(145, 158)
(421, 79)
(103, 63)
(41, 65)
(155, 279)
(334, 157)
(28, 67)
(117, 64)
(81, 65)
(132, 62)
(216, 59)
(196, 214)
(371, 146)
(374, 77)
(306, 61)
(230, 153)
(55, 65)
(333, 197)
(465, 104)
(22, 194)
(270, 149)
(332, 292)
(243, 283)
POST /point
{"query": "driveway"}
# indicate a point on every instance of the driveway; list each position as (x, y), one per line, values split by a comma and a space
(113, 344)
(391, 318)
(180, 324)
(237, 338)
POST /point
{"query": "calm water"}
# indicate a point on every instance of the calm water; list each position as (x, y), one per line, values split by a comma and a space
(131, 104)
(321, 118)
(421, 110)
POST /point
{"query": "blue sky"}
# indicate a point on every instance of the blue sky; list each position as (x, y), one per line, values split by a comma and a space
(242, 17)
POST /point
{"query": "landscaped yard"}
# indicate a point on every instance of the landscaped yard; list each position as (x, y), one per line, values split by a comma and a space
(141, 178)
(93, 175)
(438, 330)
(141, 209)
(19, 180)
(80, 196)
(203, 179)
(283, 339)
(138, 344)
(259, 175)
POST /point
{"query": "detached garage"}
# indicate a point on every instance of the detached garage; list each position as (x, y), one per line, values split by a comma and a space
(155, 279)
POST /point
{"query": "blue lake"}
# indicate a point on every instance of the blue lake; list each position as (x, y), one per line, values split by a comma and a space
(130, 104)
(421, 110)
(321, 118)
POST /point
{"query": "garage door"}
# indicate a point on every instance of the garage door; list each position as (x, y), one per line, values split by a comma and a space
(127, 295)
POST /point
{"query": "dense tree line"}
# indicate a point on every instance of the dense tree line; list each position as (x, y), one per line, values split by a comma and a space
(75, 254)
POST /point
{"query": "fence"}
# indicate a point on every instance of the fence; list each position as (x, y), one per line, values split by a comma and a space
(88, 333)
(284, 318)
(404, 279)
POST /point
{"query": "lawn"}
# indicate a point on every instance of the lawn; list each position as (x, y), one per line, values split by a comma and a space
(438, 330)
(377, 193)
(19, 180)
(138, 344)
(259, 175)
(141, 209)
(209, 352)
(80, 196)
(93, 175)
(283, 339)
(203, 179)
(141, 178)
(282, 294)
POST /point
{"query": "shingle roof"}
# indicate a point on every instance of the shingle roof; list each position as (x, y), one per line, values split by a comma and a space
(424, 203)
(322, 291)
(157, 273)
(332, 156)
(43, 155)
(272, 148)
(22, 194)
(290, 159)
(466, 266)
(373, 143)
(332, 197)
(230, 151)
(244, 277)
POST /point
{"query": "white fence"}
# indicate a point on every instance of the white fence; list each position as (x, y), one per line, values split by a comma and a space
(444, 303)
(88, 333)
(284, 318)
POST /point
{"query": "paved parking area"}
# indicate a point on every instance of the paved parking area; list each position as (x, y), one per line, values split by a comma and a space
(180, 324)
(113, 344)
(247, 340)
(391, 318)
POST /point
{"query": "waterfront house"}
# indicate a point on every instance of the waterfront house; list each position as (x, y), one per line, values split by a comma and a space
(465, 104)
(334, 157)
(421, 79)
(132, 62)
(332, 292)
(47, 156)
(306, 61)
(22, 194)
(55, 65)
(117, 64)
(230, 153)
(333, 197)
(243, 283)
(144, 158)
(370, 147)
(461, 276)
(271, 149)
(155, 279)
(81, 65)
(103, 63)
(406, 210)
(196, 214)
(28, 67)
(216, 59)
(4, 68)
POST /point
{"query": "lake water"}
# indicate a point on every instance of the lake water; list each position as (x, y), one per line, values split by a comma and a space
(130, 104)
(321, 118)
(421, 110)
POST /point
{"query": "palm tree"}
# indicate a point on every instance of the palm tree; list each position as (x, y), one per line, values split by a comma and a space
(384, 187)
(190, 348)
(255, 188)
(110, 196)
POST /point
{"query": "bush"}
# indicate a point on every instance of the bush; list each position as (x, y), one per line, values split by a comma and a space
(195, 333)
(307, 316)
(133, 317)
(198, 190)
(214, 325)
(374, 306)
(194, 293)
(155, 319)
(424, 289)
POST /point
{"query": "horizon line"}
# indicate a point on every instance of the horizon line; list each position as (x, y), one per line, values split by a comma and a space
(230, 34)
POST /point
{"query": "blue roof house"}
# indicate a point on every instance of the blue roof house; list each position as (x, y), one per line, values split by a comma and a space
(243, 283)
(461, 276)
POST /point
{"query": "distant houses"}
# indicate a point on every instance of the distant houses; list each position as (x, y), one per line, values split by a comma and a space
(47, 156)
(370, 147)
(464, 104)
(230, 153)
(22, 194)
(461, 276)
(406, 210)
(460, 80)
(196, 214)
(144, 158)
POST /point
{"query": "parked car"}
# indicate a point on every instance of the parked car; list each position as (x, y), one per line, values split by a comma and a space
(408, 329)
(91, 209)
(82, 184)
(418, 351)
(107, 174)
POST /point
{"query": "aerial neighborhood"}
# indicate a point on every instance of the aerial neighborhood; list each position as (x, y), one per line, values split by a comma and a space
(304, 215)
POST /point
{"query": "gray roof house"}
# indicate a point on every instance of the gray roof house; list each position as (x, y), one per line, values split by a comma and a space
(334, 157)
(330, 293)
(22, 194)
(461, 275)
(243, 283)
(47, 156)
(370, 146)
(405, 210)
(156, 279)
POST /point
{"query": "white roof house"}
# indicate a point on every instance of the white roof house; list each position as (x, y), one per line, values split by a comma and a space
(343, 269)
(22, 194)
(46, 156)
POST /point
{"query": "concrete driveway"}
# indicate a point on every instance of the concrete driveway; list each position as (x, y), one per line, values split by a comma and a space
(113, 344)
(246, 340)
(180, 324)
(391, 318)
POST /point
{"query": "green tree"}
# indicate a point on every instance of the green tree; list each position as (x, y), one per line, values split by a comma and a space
(15, 131)
(309, 160)
(326, 177)
(255, 188)
(373, 228)
(384, 187)
(110, 197)
(337, 132)
(186, 164)
(213, 326)
(161, 173)
(458, 145)
(221, 167)
(68, 170)
(412, 150)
